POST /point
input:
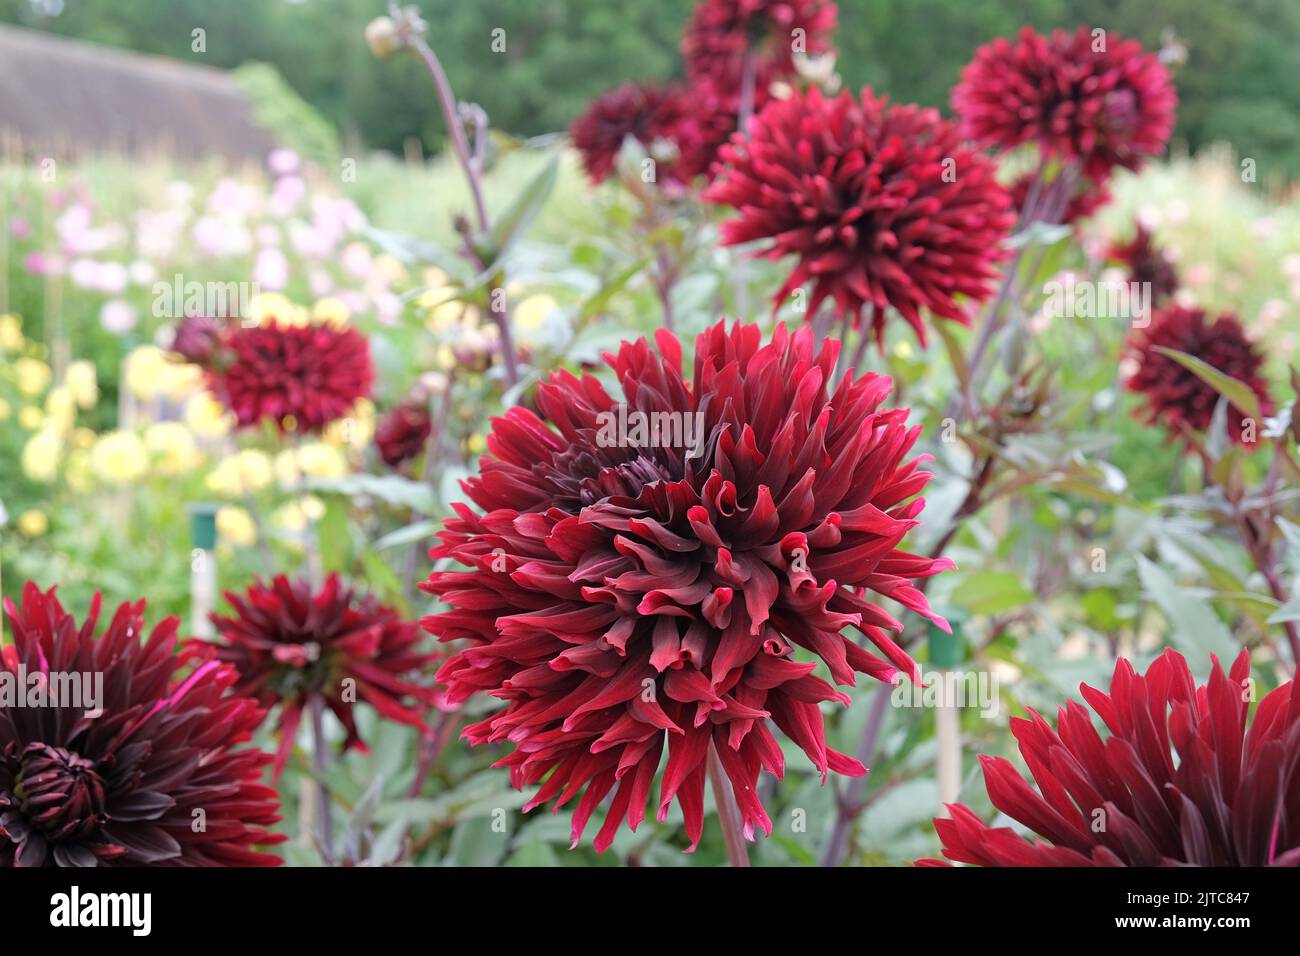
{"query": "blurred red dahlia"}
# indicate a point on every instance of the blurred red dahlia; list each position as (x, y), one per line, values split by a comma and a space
(197, 338)
(301, 377)
(721, 33)
(881, 203)
(156, 778)
(649, 114)
(288, 643)
(1100, 100)
(1147, 263)
(401, 435)
(624, 594)
(1183, 779)
(1177, 397)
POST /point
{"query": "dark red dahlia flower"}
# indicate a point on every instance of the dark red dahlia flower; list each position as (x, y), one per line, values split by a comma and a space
(1085, 199)
(1184, 778)
(625, 591)
(287, 644)
(722, 33)
(197, 339)
(1175, 396)
(649, 114)
(1147, 263)
(300, 377)
(401, 435)
(881, 203)
(1099, 100)
(120, 761)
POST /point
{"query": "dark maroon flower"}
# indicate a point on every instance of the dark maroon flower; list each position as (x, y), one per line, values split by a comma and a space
(157, 777)
(625, 592)
(1087, 96)
(1147, 263)
(402, 434)
(1184, 778)
(722, 33)
(1175, 396)
(301, 377)
(288, 643)
(1085, 199)
(197, 339)
(882, 205)
(649, 114)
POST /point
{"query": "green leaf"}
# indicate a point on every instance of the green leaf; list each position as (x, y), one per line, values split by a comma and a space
(1288, 612)
(521, 212)
(991, 592)
(1194, 627)
(1234, 390)
(392, 489)
(408, 535)
(335, 538)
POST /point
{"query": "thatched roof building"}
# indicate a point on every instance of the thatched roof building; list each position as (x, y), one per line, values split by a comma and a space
(62, 97)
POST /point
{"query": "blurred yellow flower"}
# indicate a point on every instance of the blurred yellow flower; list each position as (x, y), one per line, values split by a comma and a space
(119, 458)
(149, 372)
(173, 448)
(82, 383)
(61, 409)
(83, 438)
(33, 523)
(77, 472)
(31, 417)
(477, 444)
(531, 314)
(266, 306)
(207, 417)
(41, 455)
(11, 333)
(355, 429)
(241, 474)
(389, 268)
(331, 311)
(445, 358)
(236, 526)
(294, 515)
(32, 375)
(313, 460)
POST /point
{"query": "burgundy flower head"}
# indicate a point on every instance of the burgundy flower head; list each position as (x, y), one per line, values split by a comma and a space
(1175, 396)
(197, 339)
(288, 643)
(298, 376)
(1147, 263)
(131, 785)
(1085, 199)
(881, 203)
(1099, 100)
(722, 33)
(1184, 778)
(402, 434)
(624, 593)
(646, 113)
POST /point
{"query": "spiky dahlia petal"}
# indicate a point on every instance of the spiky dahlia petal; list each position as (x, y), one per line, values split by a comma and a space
(647, 113)
(287, 642)
(1147, 263)
(722, 34)
(624, 598)
(401, 435)
(1088, 96)
(1183, 778)
(1175, 396)
(159, 777)
(299, 376)
(881, 204)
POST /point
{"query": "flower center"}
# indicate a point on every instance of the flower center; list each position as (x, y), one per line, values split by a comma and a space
(59, 792)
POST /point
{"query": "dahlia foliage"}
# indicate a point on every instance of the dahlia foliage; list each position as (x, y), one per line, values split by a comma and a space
(1178, 398)
(1183, 778)
(881, 204)
(288, 642)
(624, 596)
(1088, 97)
(151, 773)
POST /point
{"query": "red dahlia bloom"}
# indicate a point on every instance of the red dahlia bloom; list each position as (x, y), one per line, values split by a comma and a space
(1177, 397)
(1147, 263)
(624, 594)
(301, 377)
(401, 435)
(646, 113)
(721, 33)
(1086, 198)
(156, 778)
(288, 643)
(1101, 101)
(1184, 778)
(197, 339)
(882, 205)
